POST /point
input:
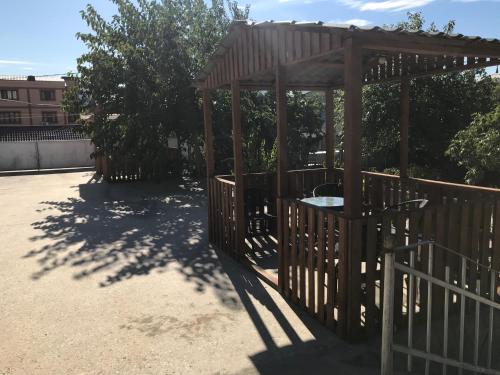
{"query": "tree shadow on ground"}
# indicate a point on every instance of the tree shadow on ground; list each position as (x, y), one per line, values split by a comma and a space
(325, 354)
(121, 231)
(116, 232)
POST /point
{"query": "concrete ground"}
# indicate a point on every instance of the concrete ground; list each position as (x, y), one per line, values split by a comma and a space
(120, 279)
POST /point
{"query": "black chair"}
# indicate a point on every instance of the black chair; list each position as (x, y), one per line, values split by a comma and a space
(328, 190)
(407, 206)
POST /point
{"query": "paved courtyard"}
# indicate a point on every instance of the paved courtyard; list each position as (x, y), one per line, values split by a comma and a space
(120, 279)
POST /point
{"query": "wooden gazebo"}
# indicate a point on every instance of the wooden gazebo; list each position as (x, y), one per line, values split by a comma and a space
(329, 261)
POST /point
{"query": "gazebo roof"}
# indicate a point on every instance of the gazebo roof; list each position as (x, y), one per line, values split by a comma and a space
(313, 54)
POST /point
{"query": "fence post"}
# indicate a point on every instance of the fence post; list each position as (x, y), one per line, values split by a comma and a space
(38, 164)
(388, 314)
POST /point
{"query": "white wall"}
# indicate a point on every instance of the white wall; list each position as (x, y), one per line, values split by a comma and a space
(48, 154)
(65, 154)
(18, 155)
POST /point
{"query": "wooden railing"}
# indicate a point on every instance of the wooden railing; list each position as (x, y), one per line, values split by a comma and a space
(313, 261)
(118, 171)
(383, 190)
(301, 182)
(221, 211)
(127, 169)
(331, 265)
(334, 280)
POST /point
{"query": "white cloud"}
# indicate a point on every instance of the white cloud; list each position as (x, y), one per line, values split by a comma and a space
(353, 21)
(270, 5)
(300, 1)
(15, 62)
(387, 5)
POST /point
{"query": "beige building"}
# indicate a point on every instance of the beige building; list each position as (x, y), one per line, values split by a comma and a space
(29, 101)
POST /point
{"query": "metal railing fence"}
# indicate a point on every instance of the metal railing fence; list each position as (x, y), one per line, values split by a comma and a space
(469, 291)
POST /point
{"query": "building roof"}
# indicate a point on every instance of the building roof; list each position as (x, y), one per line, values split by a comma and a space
(42, 78)
(41, 133)
(312, 53)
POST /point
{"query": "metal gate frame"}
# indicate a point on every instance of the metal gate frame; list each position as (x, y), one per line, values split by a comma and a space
(388, 346)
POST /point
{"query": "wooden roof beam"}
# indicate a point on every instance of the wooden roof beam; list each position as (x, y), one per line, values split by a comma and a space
(317, 58)
(429, 46)
(436, 72)
(327, 65)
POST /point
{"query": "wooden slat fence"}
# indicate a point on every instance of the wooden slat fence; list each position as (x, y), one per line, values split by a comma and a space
(127, 169)
(222, 223)
(313, 261)
(122, 170)
(383, 190)
(469, 228)
(331, 265)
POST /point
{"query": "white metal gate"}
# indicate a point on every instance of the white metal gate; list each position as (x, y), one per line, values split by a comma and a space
(467, 291)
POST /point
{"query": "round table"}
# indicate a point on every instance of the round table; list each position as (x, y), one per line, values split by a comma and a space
(325, 202)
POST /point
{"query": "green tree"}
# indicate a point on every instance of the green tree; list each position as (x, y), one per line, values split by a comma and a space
(73, 100)
(477, 149)
(496, 93)
(140, 65)
(305, 126)
(440, 107)
(305, 122)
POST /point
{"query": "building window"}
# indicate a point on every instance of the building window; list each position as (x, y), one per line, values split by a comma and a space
(47, 95)
(9, 118)
(49, 118)
(8, 94)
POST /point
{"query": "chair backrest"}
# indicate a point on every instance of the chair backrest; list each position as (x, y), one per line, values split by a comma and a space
(328, 190)
(411, 205)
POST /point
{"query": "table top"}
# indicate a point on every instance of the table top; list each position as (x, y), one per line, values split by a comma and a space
(327, 202)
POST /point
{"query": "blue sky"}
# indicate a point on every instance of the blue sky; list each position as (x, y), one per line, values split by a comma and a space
(38, 36)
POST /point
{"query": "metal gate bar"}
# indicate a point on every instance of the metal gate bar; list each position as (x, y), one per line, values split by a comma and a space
(388, 346)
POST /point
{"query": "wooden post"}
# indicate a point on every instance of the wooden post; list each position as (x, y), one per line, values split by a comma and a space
(404, 127)
(352, 184)
(388, 315)
(238, 169)
(209, 145)
(282, 131)
(209, 157)
(330, 135)
(352, 129)
(282, 183)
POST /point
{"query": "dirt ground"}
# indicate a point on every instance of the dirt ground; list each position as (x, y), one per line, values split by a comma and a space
(120, 279)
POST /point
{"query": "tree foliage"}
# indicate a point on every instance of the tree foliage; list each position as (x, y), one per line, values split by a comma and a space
(258, 111)
(140, 65)
(440, 106)
(477, 149)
